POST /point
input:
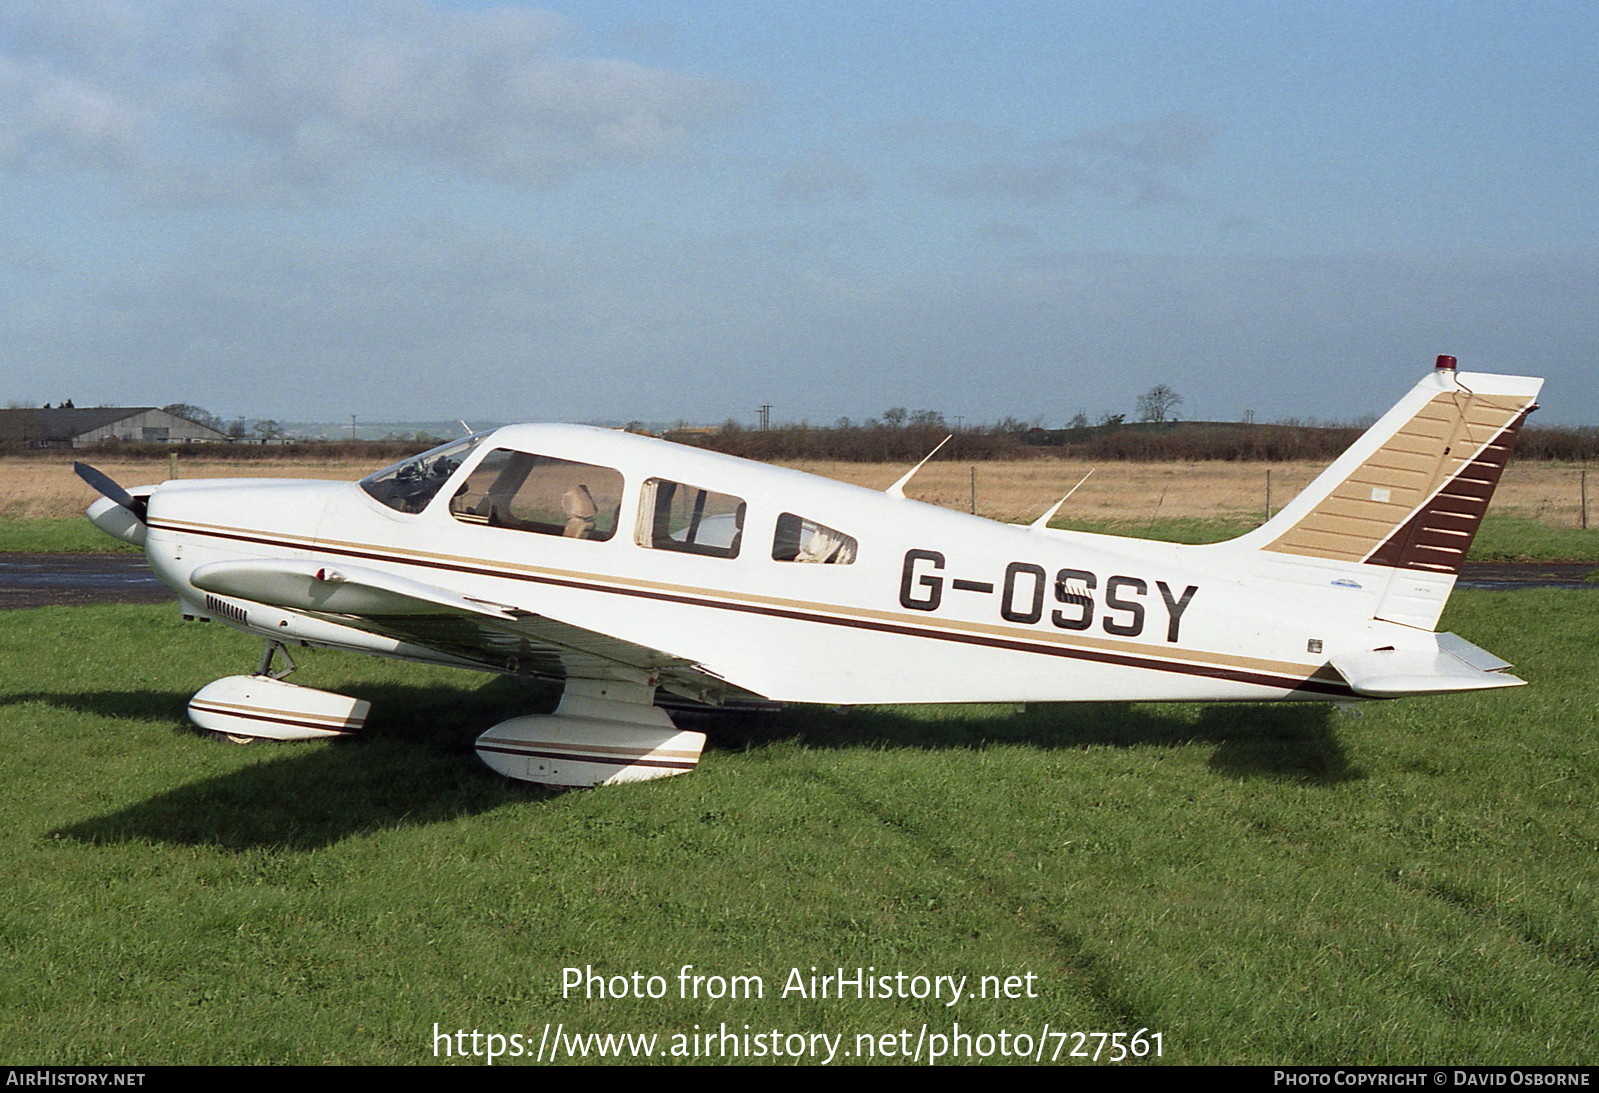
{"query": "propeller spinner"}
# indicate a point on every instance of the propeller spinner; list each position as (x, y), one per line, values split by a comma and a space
(119, 513)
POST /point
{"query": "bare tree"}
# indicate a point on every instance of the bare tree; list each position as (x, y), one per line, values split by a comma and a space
(197, 414)
(1159, 403)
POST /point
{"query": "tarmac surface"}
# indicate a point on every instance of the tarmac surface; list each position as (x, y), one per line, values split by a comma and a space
(41, 580)
(44, 580)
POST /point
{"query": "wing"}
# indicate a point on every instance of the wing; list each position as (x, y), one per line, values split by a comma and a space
(495, 635)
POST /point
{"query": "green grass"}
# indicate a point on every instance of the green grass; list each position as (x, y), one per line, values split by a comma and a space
(1257, 884)
(1500, 539)
(1172, 529)
(1515, 539)
(55, 535)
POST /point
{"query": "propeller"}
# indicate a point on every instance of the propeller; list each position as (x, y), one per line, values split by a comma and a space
(106, 487)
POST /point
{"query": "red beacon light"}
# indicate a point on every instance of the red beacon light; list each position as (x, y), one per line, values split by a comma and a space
(1445, 361)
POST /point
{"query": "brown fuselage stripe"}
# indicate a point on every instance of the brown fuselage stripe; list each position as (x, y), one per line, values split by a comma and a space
(1235, 675)
(608, 760)
(272, 718)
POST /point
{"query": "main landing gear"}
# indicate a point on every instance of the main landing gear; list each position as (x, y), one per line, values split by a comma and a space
(606, 729)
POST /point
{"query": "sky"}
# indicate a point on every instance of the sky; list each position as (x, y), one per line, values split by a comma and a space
(607, 211)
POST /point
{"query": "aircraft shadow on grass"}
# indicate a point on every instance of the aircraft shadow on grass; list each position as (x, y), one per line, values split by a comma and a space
(410, 768)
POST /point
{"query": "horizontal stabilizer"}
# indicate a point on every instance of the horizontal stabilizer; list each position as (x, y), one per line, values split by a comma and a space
(1455, 665)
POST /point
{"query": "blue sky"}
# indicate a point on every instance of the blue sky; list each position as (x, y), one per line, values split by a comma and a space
(406, 210)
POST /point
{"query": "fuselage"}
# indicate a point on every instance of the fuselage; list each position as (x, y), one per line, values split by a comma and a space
(783, 584)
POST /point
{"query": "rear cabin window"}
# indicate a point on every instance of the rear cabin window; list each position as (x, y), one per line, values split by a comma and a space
(688, 519)
(802, 540)
(541, 494)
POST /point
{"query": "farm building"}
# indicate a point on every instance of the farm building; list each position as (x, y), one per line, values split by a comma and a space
(69, 427)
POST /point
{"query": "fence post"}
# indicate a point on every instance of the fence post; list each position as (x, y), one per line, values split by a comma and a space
(974, 489)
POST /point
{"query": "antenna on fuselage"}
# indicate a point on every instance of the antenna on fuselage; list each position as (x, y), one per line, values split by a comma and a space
(1042, 523)
(898, 488)
(464, 426)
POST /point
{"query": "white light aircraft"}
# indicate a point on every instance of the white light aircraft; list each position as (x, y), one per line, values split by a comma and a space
(623, 564)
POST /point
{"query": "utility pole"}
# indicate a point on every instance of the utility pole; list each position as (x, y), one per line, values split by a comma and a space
(765, 411)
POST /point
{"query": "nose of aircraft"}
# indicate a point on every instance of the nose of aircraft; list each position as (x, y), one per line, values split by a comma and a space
(119, 513)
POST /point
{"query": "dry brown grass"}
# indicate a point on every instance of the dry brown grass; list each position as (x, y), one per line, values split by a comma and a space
(31, 488)
(1013, 491)
(1546, 492)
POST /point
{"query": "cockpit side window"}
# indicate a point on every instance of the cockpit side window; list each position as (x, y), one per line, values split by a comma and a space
(802, 540)
(541, 494)
(688, 519)
(410, 484)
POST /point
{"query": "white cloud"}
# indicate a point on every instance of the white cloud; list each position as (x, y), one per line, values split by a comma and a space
(267, 99)
(48, 120)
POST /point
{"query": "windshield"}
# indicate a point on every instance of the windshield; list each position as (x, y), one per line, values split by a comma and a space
(409, 485)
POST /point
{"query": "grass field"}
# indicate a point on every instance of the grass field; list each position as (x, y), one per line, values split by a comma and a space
(1256, 884)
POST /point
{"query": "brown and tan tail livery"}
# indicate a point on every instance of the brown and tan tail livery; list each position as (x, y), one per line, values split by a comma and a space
(1412, 492)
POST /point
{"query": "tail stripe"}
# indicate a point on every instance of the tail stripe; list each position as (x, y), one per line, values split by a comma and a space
(1416, 502)
(1437, 537)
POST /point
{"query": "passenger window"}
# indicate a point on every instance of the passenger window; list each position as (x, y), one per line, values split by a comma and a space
(541, 494)
(674, 516)
(802, 540)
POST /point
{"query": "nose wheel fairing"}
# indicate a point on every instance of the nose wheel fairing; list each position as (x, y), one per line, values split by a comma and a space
(262, 707)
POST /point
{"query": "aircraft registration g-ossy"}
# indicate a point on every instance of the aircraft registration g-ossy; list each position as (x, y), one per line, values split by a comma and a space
(624, 564)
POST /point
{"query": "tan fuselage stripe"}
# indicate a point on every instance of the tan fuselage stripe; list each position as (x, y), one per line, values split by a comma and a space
(1271, 674)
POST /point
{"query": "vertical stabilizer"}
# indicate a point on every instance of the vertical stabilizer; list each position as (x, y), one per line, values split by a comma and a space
(1410, 494)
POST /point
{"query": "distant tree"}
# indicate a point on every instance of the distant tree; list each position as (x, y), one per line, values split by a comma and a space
(927, 417)
(1112, 419)
(1159, 403)
(197, 414)
(895, 418)
(1079, 421)
(237, 429)
(267, 430)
